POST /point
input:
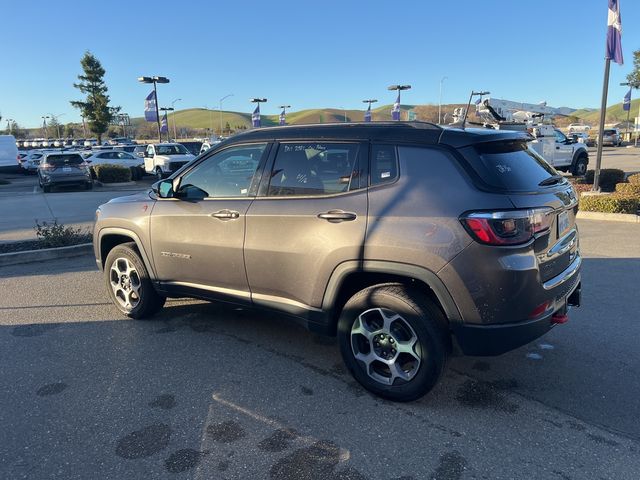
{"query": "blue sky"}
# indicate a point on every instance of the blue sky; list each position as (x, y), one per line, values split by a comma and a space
(309, 54)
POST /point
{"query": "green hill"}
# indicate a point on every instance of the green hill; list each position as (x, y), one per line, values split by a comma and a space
(615, 113)
(201, 118)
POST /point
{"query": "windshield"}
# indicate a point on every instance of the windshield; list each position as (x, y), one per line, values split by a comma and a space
(171, 150)
(512, 166)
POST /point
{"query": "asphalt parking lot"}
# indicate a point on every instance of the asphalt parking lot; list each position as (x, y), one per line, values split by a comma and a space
(203, 391)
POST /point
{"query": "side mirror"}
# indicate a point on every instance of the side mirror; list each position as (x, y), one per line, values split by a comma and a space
(163, 188)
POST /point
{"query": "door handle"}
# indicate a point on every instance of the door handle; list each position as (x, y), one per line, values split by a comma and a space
(336, 216)
(226, 215)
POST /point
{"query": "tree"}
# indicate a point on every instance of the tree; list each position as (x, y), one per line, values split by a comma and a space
(634, 77)
(54, 126)
(69, 131)
(95, 108)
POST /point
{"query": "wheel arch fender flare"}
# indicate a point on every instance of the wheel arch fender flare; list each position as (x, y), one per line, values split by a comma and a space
(410, 272)
(578, 154)
(123, 232)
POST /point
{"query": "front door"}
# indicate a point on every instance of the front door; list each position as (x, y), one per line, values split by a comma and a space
(197, 236)
(310, 216)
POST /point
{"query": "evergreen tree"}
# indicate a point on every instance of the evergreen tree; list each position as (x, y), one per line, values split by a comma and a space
(95, 108)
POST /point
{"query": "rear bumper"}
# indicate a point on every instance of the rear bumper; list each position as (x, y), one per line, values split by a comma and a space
(491, 340)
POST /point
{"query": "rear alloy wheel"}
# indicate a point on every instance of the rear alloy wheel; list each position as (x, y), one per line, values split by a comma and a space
(580, 167)
(128, 283)
(393, 341)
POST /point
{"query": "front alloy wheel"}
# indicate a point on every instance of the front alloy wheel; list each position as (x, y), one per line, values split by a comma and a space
(125, 283)
(128, 282)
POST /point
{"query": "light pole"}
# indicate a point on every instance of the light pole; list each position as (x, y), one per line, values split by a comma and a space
(10, 125)
(367, 114)
(155, 80)
(473, 94)
(220, 108)
(255, 116)
(165, 110)
(440, 100)
(395, 111)
(44, 125)
(635, 126)
(175, 128)
(283, 114)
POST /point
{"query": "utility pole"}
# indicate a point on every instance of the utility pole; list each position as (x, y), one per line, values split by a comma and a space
(175, 134)
(220, 108)
(440, 101)
(10, 125)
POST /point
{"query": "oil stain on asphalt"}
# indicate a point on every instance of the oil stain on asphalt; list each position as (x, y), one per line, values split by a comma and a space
(183, 460)
(480, 394)
(316, 461)
(226, 432)
(165, 402)
(33, 330)
(278, 441)
(145, 442)
(450, 467)
(51, 389)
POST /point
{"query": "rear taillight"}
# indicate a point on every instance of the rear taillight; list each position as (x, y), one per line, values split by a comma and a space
(46, 166)
(510, 227)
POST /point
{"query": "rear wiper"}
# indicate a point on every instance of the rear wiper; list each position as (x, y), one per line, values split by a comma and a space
(551, 180)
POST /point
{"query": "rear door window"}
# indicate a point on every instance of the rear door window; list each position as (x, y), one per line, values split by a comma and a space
(511, 166)
(314, 168)
(384, 164)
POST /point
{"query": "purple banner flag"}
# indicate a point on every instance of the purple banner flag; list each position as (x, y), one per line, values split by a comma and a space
(150, 107)
(367, 114)
(283, 117)
(164, 124)
(614, 33)
(255, 117)
(395, 112)
(626, 103)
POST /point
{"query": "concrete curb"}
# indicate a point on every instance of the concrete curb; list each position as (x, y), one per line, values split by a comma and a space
(610, 217)
(30, 256)
(114, 184)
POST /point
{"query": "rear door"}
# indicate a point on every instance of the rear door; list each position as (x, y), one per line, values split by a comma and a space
(310, 216)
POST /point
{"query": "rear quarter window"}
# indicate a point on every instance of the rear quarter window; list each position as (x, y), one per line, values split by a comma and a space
(510, 166)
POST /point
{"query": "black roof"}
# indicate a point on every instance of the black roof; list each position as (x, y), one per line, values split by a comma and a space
(400, 132)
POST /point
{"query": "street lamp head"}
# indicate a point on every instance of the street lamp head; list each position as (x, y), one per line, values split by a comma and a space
(480, 93)
(166, 109)
(372, 100)
(398, 87)
(145, 79)
(161, 79)
(258, 100)
(284, 106)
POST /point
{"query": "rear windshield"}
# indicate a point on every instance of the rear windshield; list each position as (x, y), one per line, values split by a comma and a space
(609, 132)
(71, 159)
(512, 166)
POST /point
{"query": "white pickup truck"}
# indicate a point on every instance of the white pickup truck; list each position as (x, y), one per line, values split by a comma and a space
(162, 159)
(561, 152)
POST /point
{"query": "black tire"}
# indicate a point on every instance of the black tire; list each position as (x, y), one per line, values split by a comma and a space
(149, 301)
(134, 173)
(579, 167)
(88, 186)
(426, 320)
(159, 174)
(46, 188)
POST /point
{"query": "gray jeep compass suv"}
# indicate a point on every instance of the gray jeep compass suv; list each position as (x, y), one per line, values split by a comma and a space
(406, 240)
